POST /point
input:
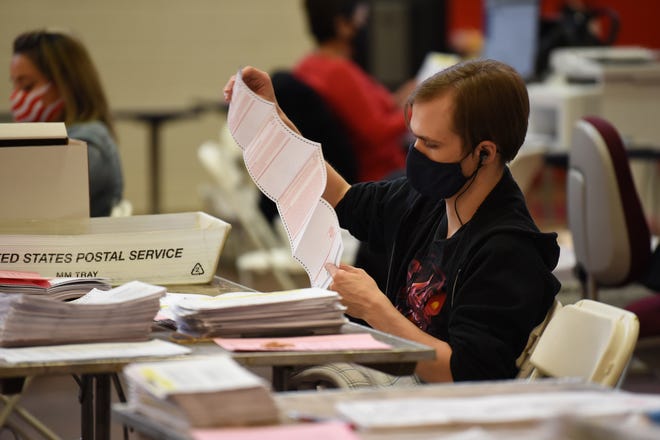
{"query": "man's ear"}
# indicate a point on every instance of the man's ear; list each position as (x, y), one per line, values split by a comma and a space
(487, 150)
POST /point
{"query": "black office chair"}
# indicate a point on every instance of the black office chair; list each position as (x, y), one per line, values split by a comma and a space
(316, 121)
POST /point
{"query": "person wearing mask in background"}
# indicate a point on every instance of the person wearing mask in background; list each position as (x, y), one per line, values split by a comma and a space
(55, 80)
(469, 274)
(371, 114)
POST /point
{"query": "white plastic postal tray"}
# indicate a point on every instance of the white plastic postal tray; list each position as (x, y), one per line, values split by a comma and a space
(181, 248)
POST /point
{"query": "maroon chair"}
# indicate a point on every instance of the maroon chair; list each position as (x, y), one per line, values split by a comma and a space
(611, 238)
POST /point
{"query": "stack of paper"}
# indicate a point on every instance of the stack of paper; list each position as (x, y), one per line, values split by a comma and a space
(389, 414)
(201, 393)
(61, 288)
(124, 313)
(289, 312)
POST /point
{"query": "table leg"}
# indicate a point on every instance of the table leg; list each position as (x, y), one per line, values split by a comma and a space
(86, 399)
(11, 390)
(95, 399)
(281, 375)
(122, 398)
(154, 152)
(102, 407)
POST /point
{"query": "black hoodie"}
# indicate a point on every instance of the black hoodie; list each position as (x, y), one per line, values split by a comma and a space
(498, 268)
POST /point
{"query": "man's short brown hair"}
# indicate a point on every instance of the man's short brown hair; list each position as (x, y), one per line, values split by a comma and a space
(490, 103)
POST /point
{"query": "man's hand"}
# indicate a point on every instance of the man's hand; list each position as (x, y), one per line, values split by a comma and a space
(257, 80)
(359, 292)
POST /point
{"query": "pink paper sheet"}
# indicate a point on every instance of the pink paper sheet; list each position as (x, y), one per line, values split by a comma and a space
(352, 341)
(316, 431)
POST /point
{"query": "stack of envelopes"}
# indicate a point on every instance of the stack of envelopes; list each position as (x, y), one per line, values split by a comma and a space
(124, 313)
(199, 393)
(289, 312)
(61, 288)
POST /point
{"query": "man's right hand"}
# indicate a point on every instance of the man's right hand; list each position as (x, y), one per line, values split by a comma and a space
(257, 80)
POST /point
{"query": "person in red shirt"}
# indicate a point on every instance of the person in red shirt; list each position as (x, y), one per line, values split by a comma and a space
(372, 116)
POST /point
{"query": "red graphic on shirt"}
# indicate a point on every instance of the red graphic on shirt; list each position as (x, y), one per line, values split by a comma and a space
(425, 294)
(434, 304)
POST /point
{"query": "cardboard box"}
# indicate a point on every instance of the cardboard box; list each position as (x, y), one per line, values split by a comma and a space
(43, 174)
(181, 248)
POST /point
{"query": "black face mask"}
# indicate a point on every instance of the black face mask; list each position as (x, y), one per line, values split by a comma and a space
(435, 180)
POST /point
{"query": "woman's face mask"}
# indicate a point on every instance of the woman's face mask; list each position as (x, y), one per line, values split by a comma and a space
(30, 106)
(435, 180)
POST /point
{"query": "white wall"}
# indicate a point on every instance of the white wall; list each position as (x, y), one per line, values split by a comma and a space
(165, 55)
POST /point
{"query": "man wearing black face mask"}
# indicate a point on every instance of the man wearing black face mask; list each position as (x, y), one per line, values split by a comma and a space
(470, 274)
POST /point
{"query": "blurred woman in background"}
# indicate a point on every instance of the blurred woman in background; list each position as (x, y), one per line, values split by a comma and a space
(55, 80)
